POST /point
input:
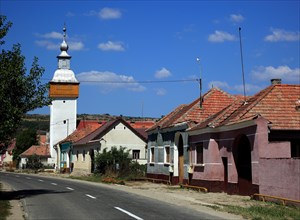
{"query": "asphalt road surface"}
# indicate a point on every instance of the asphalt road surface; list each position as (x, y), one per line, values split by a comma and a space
(57, 198)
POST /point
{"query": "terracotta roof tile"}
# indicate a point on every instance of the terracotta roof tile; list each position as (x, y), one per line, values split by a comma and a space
(99, 132)
(40, 150)
(213, 101)
(83, 129)
(276, 103)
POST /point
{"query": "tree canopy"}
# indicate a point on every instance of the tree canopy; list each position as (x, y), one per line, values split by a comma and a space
(24, 140)
(20, 92)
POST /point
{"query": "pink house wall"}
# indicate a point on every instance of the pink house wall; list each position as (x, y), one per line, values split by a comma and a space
(280, 177)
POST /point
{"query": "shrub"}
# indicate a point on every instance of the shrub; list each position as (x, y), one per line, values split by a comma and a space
(113, 161)
(34, 162)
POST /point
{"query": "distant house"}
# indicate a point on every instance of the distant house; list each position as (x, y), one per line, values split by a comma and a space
(64, 149)
(114, 133)
(40, 150)
(168, 154)
(250, 147)
(6, 157)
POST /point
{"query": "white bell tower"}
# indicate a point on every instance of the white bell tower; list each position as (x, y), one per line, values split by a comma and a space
(64, 91)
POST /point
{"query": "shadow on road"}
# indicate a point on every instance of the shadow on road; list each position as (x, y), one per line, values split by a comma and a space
(20, 194)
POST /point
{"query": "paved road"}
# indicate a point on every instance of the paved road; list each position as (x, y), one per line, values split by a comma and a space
(56, 198)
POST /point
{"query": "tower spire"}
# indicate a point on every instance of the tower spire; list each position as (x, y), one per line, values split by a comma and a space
(64, 72)
(64, 46)
(65, 30)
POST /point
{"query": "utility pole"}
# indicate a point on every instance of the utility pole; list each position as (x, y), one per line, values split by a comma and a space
(242, 61)
(200, 81)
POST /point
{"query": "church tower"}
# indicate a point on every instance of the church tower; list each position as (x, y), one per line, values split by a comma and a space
(64, 91)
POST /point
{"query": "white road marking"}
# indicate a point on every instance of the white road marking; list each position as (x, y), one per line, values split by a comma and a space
(128, 213)
(41, 180)
(90, 196)
(55, 184)
(69, 188)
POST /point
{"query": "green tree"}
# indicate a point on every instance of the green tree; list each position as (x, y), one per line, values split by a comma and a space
(34, 162)
(20, 92)
(116, 160)
(24, 140)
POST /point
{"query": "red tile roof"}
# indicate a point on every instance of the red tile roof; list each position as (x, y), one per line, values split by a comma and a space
(106, 127)
(83, 129)
(213, 101)
(42, 151)
(276, 103)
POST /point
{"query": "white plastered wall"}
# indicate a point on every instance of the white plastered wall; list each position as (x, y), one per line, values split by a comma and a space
(63, 116)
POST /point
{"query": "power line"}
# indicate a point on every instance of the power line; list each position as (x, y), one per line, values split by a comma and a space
(133, 82)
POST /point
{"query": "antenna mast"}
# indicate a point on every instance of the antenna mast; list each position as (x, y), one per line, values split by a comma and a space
(241, 50)
(200, 82)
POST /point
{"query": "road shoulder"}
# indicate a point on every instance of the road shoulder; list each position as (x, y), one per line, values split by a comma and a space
(16, 210)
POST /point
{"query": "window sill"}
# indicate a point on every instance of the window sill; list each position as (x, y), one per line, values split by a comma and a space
(199, 165)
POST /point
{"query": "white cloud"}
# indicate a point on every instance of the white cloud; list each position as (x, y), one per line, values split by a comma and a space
(49, 45)
(110, 13)
(236, 18)
(160, 92)
(91, 13)
(51, 35)
(162, 73)
(285, 73)
(221, 36)
(73, 45)
(218, 84)
(282, 35)
(70, 14)
(250, 88)
(109, 81)
(110, 45)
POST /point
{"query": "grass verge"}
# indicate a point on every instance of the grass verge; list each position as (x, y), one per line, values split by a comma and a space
(265, 211)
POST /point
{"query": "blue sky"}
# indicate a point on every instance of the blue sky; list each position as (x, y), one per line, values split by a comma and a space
(151, 48)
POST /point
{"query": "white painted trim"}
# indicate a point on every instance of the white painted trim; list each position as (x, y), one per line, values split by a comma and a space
(213, 163)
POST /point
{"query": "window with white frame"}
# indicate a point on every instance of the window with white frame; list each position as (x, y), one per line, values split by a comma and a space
(136, 154)
(83, 155)
(152, 155)
(199, 153)
(167, 154)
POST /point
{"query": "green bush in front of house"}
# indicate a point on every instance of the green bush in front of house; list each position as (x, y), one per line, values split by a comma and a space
(34, 162)
(113, 161)
(117, 163)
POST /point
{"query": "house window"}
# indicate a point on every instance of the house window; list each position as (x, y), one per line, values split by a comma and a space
(167, 154)
(83, 155)
(136, 154)
(152, 155)
(199, 153)
(295, 149)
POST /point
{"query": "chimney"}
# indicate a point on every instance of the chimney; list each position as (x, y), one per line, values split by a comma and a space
(275, 81)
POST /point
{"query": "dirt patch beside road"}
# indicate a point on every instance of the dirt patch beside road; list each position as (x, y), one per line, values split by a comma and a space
(188, 198)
